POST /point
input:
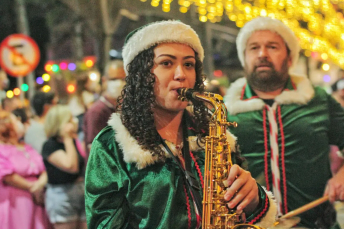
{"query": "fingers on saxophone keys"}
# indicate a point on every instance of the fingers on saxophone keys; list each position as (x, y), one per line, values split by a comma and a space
(234, 172)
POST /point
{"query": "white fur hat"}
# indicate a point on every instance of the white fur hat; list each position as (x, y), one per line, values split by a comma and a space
(157, 33)
(267, 23)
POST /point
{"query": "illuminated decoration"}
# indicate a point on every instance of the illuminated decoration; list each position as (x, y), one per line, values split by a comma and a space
(9, 94)
(63, 65)
(16, 91)
(326, 78)
(70, 88)
(46, 88)
(24, 87)
(324, 56)
(55, 68)
(319, 24)
(218, 73)
(48, 67)
(46, 77)
(94, 76)
(325, 67)
(39, 80)
(71, 66)
(89, 61)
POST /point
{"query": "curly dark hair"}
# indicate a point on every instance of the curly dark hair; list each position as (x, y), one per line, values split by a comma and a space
(137, 100)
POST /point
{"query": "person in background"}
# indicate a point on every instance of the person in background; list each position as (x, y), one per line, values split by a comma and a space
(285, 125)
(24, 122)
(97, 116)
(81, 101)
(35, 134)
(65, 201)
(131, 179)
(22, 180)
(10, 104)
(4, 82)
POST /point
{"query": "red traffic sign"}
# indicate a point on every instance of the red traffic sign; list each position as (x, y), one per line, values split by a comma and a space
(19, 55)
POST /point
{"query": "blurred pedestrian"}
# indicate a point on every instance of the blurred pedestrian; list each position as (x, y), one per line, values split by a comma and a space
(35, 134)
(97, 116)
(65, 203)
(10, 104)
(81, 101)
(22, 180)
(4, 82)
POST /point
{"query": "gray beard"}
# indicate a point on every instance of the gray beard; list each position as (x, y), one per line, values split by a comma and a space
(269, 80)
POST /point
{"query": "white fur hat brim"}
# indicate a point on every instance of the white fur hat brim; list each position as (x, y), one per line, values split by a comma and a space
(161, 32)
(267, 23)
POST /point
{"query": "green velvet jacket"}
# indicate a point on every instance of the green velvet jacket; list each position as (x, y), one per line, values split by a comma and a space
(309, 120)
(126, 187)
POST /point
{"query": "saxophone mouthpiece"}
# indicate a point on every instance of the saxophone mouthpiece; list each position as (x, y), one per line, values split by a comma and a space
(187, 93)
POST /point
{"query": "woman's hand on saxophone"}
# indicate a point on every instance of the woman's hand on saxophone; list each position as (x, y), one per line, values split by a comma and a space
(242, 190)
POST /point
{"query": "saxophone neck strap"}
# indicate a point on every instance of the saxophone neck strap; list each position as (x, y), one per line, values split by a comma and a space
(191, 180)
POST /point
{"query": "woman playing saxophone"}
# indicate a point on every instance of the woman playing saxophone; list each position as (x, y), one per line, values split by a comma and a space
(146, 168)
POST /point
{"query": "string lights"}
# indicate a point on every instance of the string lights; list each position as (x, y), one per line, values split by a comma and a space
(319, 24)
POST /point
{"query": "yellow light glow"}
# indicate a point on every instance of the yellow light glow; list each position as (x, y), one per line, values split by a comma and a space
(183, 9)
(308, 53)
(155, 3)
(239, 24)
(9, 94)
(325, 67)
(263, 13)
(202, 11)
(233, 17)
(46, 88)
(324, 56)
(203, 18)
(46, 77)
(324, 31)
(186, 4)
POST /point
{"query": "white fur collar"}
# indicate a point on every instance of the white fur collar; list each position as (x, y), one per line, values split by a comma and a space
(302, 95)
(132, 151)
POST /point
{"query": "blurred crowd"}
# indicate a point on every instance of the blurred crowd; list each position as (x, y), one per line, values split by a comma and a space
(44, 145)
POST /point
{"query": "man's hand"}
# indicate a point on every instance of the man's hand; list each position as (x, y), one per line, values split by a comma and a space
(335, 186)
(242, 190)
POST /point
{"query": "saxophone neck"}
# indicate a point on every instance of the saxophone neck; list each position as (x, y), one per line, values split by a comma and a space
(193, 95)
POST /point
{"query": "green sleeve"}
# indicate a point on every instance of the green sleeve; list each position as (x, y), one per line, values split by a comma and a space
(336, 131)
(106, 205)
(261, 209)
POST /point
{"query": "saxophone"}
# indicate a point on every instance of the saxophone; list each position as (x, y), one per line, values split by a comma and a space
(218, 162)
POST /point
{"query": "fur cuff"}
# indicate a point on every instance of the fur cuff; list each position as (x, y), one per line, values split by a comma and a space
(270, 217)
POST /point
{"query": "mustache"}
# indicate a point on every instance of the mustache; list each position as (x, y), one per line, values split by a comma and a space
(264, 62)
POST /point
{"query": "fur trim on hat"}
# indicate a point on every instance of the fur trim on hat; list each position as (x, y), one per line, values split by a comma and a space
(266, 23)
(161, 32)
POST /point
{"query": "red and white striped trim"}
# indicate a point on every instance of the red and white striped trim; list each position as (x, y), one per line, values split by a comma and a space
(274, 159)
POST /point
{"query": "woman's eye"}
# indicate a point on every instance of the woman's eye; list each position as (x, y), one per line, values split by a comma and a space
(190, 65)
(166, 63)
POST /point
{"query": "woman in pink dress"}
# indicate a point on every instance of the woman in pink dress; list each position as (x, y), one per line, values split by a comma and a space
(22, 180)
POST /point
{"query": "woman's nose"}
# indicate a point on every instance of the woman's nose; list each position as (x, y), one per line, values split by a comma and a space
(179, 73)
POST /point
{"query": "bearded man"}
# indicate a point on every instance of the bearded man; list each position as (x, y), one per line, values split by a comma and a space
(285, 125)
